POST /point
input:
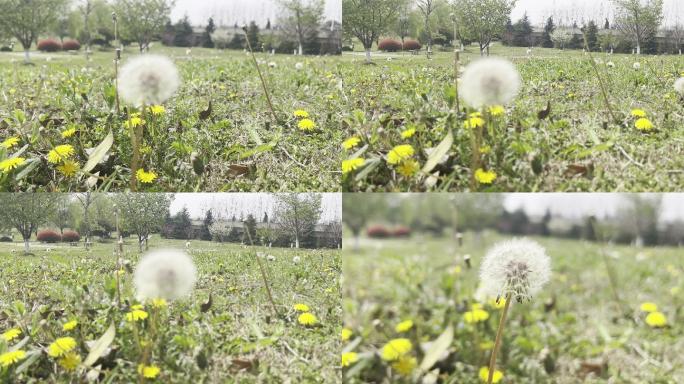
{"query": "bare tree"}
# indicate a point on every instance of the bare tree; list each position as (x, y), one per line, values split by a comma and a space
(427, 8)
(27, 211)
(302, 20)
(368, 19)
(638, 20)
(298, 214)
(141, 20)
(86, 200)
(483, 20)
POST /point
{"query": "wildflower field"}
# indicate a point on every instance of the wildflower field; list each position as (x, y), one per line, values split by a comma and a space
(578, 123)
(61, 320)
(606, 312)
(216, 133)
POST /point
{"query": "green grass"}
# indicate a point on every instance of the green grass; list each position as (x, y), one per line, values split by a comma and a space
(574, 326)
(239, 145)
(42, 292)
(580, 148)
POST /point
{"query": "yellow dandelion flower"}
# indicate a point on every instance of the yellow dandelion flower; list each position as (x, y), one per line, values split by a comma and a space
(475, 114)
(7, 165)
(9, 358)
(349, 358)
(485, 177)
(134, 121)
(346, 334)
(61, 346)
(486, 345)
(11, 334)
(400, 153)
(70, 325)
(408, 133)
(456, 270)
(351, 143)
(643, 124)
(68, 169)
(497, 110)
(60, 153)
(352, 165)
(485, 149)
(484, 375)
(148, 371)
(404, 326)
(70, 361)
(10, 142)
(299, 307)
(68, 133)
(136, 315)
(638, 112)
(656, 319)
(306, 125)
(159, 303)
(307, 319)
(474, 122)
(145, 177)
(475, 316)
(137, 307)
(408, 168)
(649, 307)
(396, 348)
(302, 114)
(157, 110)
(405, 365)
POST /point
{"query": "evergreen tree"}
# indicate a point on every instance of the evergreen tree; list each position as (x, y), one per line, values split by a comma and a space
(591, 32)
(206, 224)
(522, 32)
(207, 42)
(265, 219)
(548, 30)
(182, 225)
(607, 24)
(183, 33)
(250, 230)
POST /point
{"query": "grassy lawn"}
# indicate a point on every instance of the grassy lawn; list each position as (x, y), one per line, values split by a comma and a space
(237, 147)
(580, 329)
(579, 147)
(237, 339)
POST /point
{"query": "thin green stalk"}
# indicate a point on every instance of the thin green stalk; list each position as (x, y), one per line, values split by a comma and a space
(263, 82)
(499, 336)
(263, 276)
(602, 85)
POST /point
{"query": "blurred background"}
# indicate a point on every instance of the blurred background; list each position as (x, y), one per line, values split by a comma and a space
(635, 219)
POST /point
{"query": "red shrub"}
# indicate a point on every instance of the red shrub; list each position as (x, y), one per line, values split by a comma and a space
(378, 232)
(401, 232)
(389, 45)
(412, 45)
(49, 45)
(70, 237)
(49, 236)
(71, 45)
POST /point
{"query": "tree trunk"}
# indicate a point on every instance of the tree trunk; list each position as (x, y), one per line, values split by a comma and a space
(297, 241)
(26, 246)
(368, 55)
(638, 48)
(27, 56)
(300, 49)
(356, 243)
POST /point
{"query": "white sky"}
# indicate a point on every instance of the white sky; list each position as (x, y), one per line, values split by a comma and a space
(227, 204)
(598, 10)
(577, 205)
(229, 12)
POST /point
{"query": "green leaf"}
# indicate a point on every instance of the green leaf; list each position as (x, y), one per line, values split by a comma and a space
(30, 165)
(437, 349)
(20, 116)
(100, 346)
(438, 153)
(99, 153)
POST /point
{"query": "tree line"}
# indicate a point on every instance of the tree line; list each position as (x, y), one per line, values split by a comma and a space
(634, 27)
(104, 216)
(108, 22)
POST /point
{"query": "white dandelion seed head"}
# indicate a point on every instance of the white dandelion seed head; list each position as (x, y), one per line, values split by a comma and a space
(164, 274)
(270, 258)
(636, 66)
(296, 259)
(488, 82)
(610, 64)
(679, 86)
(299, 66)
(272, 64)
(148, 80)
(519, 267)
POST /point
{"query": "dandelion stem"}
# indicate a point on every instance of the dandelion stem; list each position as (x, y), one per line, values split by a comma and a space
(263, 276)
(602, 84)
(497, 343)
(263, 82)
(457, 57)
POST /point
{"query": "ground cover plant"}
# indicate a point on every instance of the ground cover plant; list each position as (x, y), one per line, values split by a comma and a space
(580, 122)
(62, 318)
(413, 314)
(60, 129)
